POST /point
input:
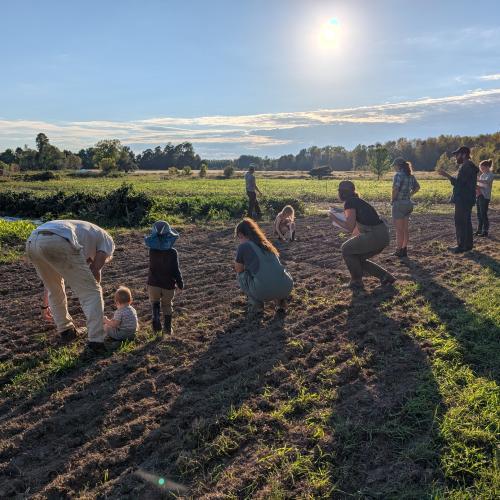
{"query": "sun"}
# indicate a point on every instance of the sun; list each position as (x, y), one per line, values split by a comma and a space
(329, 33)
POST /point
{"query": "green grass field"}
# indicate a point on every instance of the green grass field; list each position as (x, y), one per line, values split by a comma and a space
(308, 190)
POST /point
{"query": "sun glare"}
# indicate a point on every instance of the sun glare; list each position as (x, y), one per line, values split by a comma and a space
(329, 33)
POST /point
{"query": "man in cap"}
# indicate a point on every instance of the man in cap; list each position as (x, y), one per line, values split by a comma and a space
(72, 251)
(252, 190)
(464, 197)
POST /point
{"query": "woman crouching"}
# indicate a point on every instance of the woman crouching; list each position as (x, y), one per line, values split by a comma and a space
(371, 236)
(261, 276)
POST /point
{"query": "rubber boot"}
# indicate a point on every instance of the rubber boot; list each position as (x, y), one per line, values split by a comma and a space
(156, 317)
(167, 324)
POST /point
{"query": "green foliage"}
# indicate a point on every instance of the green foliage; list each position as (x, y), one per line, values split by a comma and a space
(186, 171)
(123, 206)
(12, 237)
(46, 175)
(203, 170)
(378, 160)
(228, 171)
(107, 165)
(173, 171)
(445, 163)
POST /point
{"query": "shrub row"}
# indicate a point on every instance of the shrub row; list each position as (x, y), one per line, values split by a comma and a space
(127, 207)
(122, 206)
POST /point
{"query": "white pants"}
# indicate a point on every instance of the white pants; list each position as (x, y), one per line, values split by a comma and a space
(56, 261)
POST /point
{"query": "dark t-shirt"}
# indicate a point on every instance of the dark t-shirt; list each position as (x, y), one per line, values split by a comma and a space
(164, 269)
(365, 213)
(245, 254)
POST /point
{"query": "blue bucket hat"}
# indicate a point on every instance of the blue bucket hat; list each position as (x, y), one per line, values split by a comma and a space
(162, 236)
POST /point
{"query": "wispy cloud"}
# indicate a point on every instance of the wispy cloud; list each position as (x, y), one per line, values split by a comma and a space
(238, 132)
(490, 77)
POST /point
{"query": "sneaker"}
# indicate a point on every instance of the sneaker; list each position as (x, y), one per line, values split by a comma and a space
(69, 334)
(478, 233)
(456, 250)
(398, 252)
(96, 347)
(484, 234)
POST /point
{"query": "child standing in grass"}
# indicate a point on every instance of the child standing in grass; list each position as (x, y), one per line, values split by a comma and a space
(284, 224)
(164, 274)
(124, 324)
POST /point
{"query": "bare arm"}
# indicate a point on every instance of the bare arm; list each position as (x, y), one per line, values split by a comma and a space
(97, 264)
(350, 222)
(111, 322)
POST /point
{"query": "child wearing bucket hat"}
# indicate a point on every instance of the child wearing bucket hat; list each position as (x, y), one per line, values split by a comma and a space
(164, 273)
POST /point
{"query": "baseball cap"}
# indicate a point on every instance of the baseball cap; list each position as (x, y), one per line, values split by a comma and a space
(461, 149)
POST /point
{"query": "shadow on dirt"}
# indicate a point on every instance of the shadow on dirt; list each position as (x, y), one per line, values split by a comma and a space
(384, 420)
(478, 335)
(106, 409)
(484, 260)
(232, 369)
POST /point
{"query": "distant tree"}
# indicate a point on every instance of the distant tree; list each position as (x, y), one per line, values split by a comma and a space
(87, 158)
(173, 171)
(228, 171)
(359, 157)
(320, 171)
(27, 158)
(107, 165)
(378, 160)
(445, 163)
(110, 148)
(8, 156)
(187, 171)
(244, 161)
(41, 141)
(126, 161)
(203, 170)
(50, 158)
(4, 167)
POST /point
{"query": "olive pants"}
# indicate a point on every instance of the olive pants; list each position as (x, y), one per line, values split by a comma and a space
(357, 250)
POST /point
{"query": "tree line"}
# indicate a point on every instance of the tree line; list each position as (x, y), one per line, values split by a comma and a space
(424, 154)
(111, 155)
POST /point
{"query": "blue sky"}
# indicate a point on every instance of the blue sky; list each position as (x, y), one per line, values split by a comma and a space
(253, 76)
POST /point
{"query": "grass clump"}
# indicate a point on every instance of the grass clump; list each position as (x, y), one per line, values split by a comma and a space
(13, 235)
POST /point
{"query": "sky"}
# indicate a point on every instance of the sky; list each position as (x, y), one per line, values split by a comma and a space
(263, 77)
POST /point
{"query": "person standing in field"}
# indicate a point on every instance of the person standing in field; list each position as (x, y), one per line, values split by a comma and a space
(260, 274)
(484, 187)
(404, 186)
(464, 198)
(72, 252)
(371, 236)
(164, 274)
(252, 190)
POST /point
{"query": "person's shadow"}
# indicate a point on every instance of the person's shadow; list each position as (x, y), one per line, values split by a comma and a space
(477, 334)
(384, 420)
(484, 260)
(188, 402)
(233, 368)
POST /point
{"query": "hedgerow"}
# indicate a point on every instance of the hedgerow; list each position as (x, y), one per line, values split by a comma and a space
(127, 207)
